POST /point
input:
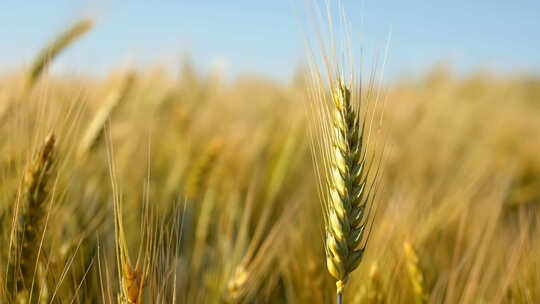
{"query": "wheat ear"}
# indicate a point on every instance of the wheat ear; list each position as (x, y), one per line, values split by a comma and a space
(415, 273)
(48, 53)
(132, 276)
(202, 167)
(36, 180)
(94, 132)
(348, 190)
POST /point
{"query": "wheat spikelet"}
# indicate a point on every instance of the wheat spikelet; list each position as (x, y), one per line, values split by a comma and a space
(48, 53)
(36, 181)
(415, 273)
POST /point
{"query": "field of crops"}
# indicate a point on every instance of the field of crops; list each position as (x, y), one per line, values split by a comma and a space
(143, 187)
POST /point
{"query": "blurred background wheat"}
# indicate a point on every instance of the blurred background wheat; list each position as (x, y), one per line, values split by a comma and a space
(142, 186)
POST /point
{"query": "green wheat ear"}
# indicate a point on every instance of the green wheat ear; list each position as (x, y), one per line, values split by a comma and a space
(348, 185)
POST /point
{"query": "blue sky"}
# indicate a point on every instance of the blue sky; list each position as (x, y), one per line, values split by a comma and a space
(265, 37)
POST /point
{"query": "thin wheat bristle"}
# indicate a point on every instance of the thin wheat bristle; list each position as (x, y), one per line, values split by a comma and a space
(48, 53)
(258, 257)
(132, 276)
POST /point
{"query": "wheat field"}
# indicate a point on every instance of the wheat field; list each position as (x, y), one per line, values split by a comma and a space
(143, 187)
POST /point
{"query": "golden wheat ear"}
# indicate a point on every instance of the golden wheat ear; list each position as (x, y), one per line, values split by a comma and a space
(50, 51)
(94, 132)
(201, 169)
(415, 274)
(36, 182)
